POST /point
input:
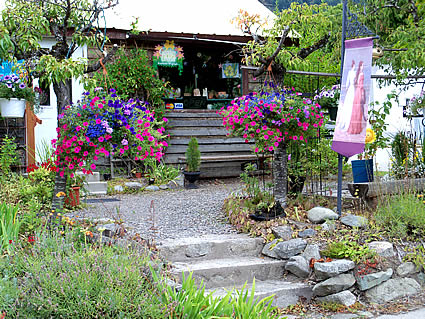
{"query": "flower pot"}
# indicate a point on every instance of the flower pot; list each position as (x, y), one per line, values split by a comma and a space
(73, 198)
(12, 108)
(296, 184)
(332, 112)
(263, 215)
(138, 175)
(107, 177)
(191, 177)
(362, 171)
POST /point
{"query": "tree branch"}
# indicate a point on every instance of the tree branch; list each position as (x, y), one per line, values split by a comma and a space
(96, 66)
(305, 52)
(271, 58)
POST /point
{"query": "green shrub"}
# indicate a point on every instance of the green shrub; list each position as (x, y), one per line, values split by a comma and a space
(348, 249)
(193, 156)
(10, 224)
(190, 302)
(56, 279)
(8, 155)
(402, 215)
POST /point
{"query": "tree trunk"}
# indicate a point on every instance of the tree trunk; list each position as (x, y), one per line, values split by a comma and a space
(280, 171)
(63, 93)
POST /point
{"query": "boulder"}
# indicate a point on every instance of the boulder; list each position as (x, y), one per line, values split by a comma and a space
(320, 214)
(163, 187)
(298, 265)
(284, 232)
(268, 249)
(382, 248)
(328, 226)
(406, 269)
(118, 188)
(345, 298)
(133, 185)
(289, 248)
(371, 280)
(393, 289)
(177, 183)
(152, 188)
(354, 221)
(307, 233)
(108, 230)
(331, 269)
(311, 251)
(334, 285)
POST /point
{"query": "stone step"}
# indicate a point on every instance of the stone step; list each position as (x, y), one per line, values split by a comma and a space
(96, 188)
(211, 247)
(230, 271)
(285, 293)
(89, 177)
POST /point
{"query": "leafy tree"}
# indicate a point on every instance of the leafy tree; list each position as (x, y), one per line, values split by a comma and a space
(24, 23)
(301, 36)
(400, 25)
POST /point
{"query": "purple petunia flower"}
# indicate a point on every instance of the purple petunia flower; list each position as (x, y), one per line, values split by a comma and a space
(124, 142)
(9, 85)
(22, 86)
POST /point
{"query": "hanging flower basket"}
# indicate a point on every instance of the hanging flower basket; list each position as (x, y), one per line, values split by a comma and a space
(12, 108)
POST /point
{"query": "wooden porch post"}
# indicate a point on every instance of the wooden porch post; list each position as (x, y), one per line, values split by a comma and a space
(31, 120)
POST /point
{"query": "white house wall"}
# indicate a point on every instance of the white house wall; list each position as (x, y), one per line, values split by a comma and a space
(46, 131)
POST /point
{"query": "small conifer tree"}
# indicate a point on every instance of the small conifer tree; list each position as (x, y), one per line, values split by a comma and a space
(193, 156)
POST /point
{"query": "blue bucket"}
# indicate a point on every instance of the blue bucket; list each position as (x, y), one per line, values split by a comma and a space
(362, 171)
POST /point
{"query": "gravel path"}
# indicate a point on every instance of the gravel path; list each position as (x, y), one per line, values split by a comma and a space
(177, 213)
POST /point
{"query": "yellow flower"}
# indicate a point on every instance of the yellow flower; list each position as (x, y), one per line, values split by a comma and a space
(60, 194)
(370, 136)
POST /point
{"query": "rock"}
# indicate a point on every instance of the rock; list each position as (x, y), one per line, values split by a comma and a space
(152, 188)
(354, 221)
(198, 250)
(176, 183)
(284, 232)
(406, 269)
(328, 226)
(420, 278)
(371, 280)
(382, 248)
(307, 233)
(289, 248)
(299, 266)
(344, 315)
(163, 187)
(365, 314)
(118, 188)
(320, 214)
(334, 285)
(133, 185)
(108, 230)
(393, 289)
(268, 249)
(333, 268)
(345, 298)
(311, 251)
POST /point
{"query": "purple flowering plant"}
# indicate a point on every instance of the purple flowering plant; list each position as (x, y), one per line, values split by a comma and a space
(12, 86)
(328, 97)
(102, 124)
(271, 117)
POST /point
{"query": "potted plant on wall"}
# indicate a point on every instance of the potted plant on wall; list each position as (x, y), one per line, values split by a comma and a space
(13, 94)
(329, 99)
(193, 162)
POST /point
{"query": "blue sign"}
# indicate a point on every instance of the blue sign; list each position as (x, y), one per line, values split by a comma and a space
(6, 68)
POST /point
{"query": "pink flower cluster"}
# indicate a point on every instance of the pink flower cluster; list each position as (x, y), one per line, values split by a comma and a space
(272, 118)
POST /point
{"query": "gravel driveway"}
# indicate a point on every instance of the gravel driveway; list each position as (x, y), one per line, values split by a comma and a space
(176, 213)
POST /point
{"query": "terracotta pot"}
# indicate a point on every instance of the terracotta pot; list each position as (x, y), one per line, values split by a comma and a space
(138, 175)
(73, 197)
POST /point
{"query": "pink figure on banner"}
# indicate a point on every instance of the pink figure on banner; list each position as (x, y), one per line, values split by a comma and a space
(347, 105)
(358, 120)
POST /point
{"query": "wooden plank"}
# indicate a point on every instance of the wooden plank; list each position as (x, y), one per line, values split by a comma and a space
(197, 132)
(207, 140)
(174, 158)
(186, 122)
(213, 148)
(192, 114)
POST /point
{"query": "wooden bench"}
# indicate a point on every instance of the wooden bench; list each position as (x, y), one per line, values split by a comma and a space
(369, 192)
(230, 158)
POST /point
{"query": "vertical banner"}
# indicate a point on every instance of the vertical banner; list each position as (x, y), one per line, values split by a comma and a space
(350, 128)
